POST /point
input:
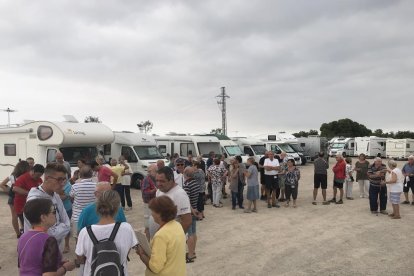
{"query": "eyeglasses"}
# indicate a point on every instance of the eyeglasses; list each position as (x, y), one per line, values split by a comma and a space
(179, 164)
(59, 179)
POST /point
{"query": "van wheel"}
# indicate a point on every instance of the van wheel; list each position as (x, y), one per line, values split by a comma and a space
(303, 159)
(136, 180)
(379, 155)
(344, 154)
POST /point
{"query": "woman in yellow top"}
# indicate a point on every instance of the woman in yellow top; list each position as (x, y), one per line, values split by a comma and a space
(168, 244)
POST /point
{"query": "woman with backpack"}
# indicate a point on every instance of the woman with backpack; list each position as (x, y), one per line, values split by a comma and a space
(38, 253)
(104, 246)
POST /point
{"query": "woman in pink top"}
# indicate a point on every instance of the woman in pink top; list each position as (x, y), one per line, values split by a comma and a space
(339, 178)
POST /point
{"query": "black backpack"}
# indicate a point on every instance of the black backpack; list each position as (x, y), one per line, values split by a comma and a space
(106, 260)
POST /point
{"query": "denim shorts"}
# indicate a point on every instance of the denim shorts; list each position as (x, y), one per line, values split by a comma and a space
(192, 229)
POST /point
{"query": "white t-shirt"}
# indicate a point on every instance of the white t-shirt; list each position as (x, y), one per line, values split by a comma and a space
(179, 179)
(181, 200)
(398, 186)
(126, 179)
(125, 239)
(271, 163)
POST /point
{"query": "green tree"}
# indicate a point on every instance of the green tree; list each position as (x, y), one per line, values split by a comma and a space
(92, 119)
(303, 133)
(344, 127)
(146, 126)
(216, 131)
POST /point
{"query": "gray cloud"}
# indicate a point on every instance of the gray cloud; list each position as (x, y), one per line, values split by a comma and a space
(287, 65)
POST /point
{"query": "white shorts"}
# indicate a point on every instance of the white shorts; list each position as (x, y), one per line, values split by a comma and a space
(74, 229)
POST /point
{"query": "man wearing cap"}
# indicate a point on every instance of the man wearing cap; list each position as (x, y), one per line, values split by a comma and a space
(408, 172)
(178, 172)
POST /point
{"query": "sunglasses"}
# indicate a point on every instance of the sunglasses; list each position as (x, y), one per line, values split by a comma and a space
(179, 164)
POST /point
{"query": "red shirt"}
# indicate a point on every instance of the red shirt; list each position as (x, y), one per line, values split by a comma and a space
(339, 169)
(25, 182)
(104, 174)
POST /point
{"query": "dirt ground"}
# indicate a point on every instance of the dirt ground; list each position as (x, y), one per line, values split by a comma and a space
(309, 240)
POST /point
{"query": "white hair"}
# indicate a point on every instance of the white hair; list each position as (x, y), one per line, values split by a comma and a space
(411, 157)
(392, 164)
(377, 159)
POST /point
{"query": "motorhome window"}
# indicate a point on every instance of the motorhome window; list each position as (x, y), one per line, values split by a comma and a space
(297, 147)
(107, 149)
(233, 150)
(129, 155)
(274, 148)
(205, 148)
(259, 149)
(186, 148)
(338, 146)
(162, 148)
(302, 145)
(286, 148)
(44, 132)
(148, 152)
(51, 155)
(352, 145)
(9, 149)
(408, 146)
(73, 154)
(248, 151)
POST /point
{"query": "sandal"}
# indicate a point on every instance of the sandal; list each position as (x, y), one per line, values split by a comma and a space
(396, 217)
(391, 215)
(188, 259)
(314, 203)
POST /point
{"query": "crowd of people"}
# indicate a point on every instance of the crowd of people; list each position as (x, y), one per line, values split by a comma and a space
(50, 205)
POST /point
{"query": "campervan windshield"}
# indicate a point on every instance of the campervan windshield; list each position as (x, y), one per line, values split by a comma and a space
(297, 147)
(338, 146)
(259, 149)
(73, 154)
(148, 152)
(233, 150)
(205, 148)
(286, 148)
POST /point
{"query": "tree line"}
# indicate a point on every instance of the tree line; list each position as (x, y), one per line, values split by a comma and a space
(349, 128)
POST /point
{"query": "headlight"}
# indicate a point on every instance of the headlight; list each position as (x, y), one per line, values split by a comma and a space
(144, 167)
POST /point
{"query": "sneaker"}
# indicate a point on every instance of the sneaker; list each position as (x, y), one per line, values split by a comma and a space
(254, 210)
(275, 205)
(269, 205)
(412, 203)
(333, 200)
(326, 203)
(233, 208)
(247, 211)
(339, 202)
(383, 212)
(350, 198)
(314, 203)
(374, 212)
(405, 202)
(241, 207)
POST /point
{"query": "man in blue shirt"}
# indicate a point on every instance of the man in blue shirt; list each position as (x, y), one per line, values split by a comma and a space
(89, 215)
(408, 171)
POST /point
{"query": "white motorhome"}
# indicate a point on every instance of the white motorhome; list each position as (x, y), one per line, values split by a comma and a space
(370, 146)
(344, 146)
(140, 150)
(231, 149)
(279, 146)
(294, 143)
(251, 147)
(313, 144)
(185, 145)
(42, 139)
(399, 148)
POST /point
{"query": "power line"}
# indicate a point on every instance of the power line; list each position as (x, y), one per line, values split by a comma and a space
(222, 105)
(8, 110)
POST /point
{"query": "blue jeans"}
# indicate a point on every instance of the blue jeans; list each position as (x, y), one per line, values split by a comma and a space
(235, 199)
(374, 191)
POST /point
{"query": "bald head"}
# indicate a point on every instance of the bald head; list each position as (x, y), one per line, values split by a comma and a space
(101, 187)
(59, 157)
(160, 164)
(189, 172)
(152, 170)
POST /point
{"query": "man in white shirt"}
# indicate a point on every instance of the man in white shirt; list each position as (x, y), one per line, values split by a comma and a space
(167, 186)
(271, 168)
(179, 172)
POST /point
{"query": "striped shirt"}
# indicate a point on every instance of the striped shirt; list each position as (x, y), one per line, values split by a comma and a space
(83, 194)
(192, 188)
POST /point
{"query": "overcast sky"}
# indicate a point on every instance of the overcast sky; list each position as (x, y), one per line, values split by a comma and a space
(286, 65)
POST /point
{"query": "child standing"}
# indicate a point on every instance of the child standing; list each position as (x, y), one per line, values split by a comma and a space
(349, 180)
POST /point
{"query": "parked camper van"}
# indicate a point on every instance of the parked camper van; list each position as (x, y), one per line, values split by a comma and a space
(344, 146)
(140, 150)
(293, 142)
(185, 145)
(313, 144)
(42, 139)
(278, 146)
(251, 147)
(399, 148)
(370, 146)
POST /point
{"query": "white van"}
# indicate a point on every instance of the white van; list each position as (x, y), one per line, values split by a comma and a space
(42, 139)
(185, 145)
(399, 148)
(140, 150)
(344, 146)
(231, 149)
(251, 147)
(279, 146)
(370, 146)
